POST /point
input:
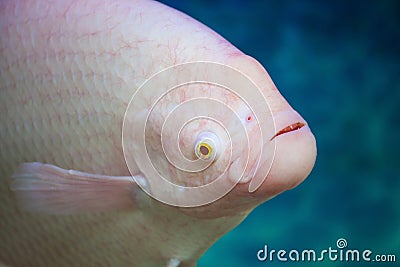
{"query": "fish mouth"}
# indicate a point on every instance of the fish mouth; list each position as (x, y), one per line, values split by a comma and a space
(292, 127)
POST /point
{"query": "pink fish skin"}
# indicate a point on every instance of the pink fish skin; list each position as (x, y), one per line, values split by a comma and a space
(67, 72)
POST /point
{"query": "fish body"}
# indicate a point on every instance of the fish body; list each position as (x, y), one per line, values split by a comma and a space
(68, 71)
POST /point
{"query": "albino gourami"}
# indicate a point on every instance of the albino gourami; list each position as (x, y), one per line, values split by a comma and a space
(132, 135)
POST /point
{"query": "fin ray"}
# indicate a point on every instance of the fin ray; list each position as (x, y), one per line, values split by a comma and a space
(49, 189)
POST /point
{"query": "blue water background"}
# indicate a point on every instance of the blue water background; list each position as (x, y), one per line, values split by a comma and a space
(338, 64)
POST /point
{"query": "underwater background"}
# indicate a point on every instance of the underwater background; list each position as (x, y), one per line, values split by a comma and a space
(338, 65)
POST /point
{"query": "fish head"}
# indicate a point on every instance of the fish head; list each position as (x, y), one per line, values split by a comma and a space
(203, 132)
(282, 146)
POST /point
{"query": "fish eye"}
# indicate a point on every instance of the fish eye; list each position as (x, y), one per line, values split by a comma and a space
(203, 150)
(205, 147)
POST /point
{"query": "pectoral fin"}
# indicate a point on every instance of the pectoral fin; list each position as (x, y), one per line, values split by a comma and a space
(49, 189)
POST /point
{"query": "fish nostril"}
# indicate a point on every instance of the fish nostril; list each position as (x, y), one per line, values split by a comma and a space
(290, 128)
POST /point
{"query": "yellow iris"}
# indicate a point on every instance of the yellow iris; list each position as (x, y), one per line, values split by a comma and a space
(204, 150)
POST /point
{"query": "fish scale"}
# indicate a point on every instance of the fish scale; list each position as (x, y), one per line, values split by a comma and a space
(68, 70)
(70, 130)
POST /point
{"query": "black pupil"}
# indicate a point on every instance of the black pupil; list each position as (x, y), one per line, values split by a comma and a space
(204, 150)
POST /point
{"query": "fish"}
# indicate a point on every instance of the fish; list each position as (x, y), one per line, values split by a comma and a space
(133, 135)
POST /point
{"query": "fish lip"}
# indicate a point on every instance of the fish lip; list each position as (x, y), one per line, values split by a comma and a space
(290, 128)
